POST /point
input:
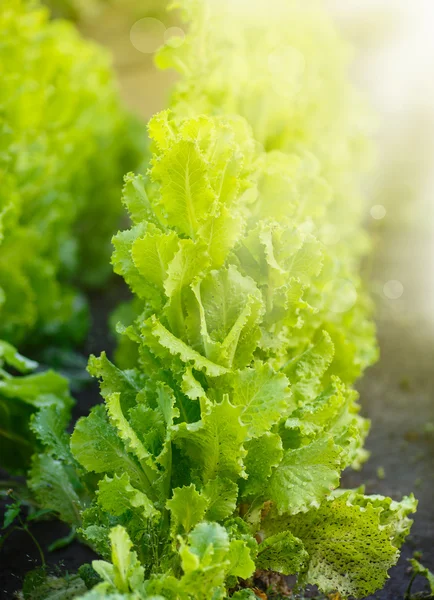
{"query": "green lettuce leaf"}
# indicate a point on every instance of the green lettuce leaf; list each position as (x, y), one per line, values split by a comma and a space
(349, 540)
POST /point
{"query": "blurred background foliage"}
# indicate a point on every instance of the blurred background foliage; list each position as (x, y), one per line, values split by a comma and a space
(85, 10)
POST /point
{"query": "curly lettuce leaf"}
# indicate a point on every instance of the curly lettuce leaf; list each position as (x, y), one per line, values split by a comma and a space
(35, 409)
(349, 540)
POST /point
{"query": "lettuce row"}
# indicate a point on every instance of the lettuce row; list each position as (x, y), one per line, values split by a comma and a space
(65, 143)
(221, 451)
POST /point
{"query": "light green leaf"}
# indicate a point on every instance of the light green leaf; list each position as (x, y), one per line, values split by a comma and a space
(49, 425)
(205, 562)
(220, 234)
(339, 534)
(188, 262)
(124, 429)
(186, 194)
(305, 372)
(132, 442)
(116, 495)
(334, 412)
(10, 356)
(127, 574)
(221, 495)
(305, 476)
(419, 569)
(244, 594)
(226, 317)
(263, 455)
(100, 593)
(56, 487)
(150, 427)
(153, 425)
(177, 347)
(153, 253)
(136, 200)
(214, 445)
(38, 390)
(191, 386)
(113, 379)
(187, 508)
(98, 448)
(123, 263)
(208, 545)
(282, 553)
(394, 516)
(241, 563)
(162, 130)
(106, 571)
(264, 396)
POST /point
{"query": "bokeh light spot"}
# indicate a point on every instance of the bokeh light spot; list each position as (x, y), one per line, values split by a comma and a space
(378, 212)
(174, 37)
(147, 35)
(393, 289)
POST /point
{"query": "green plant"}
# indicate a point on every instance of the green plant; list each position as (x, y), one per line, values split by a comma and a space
(28, 403)
(65, 143)
(418, 569)
(222, 450)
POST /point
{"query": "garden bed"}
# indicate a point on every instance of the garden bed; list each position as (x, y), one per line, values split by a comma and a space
(397, 395)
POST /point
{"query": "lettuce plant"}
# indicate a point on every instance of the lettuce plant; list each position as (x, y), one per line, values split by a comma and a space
(28, 402)
(65, 143)
(221, 452)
